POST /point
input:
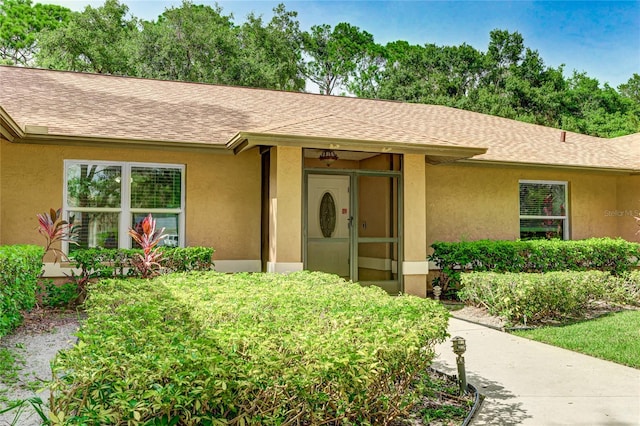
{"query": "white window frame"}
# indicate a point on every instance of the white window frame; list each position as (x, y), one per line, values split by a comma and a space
(125, 210)
(565, 218)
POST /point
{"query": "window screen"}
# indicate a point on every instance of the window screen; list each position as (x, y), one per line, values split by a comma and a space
(543, 210)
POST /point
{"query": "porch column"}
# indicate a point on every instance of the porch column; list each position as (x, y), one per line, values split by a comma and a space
(415, 266)
(285, 210)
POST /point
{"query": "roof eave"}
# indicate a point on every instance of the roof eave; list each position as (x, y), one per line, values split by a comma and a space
(111, 142)
(9, 129)
(608, 169)
(247, 140)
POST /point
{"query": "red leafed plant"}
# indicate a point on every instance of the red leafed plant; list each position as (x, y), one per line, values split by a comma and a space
(147, 238)
(55, 229)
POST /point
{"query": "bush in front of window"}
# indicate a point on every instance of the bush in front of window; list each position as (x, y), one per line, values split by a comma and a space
(20, 267)
(614, 255)
(117, 263)
(186, 259)
(255, 349)
(533, 297)
(97, 263)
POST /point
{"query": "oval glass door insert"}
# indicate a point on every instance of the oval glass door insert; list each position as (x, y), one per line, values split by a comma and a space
(327, 215)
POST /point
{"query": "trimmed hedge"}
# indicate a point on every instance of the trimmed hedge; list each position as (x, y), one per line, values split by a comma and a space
(186, 259)
(117, 263)
(255, 349)
(20, 267)
(532, 297)
(604, 254)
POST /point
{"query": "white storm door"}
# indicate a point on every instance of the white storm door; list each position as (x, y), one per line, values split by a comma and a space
(328, 224)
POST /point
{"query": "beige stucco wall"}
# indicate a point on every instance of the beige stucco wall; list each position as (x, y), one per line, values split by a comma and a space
(416, 184)
(444, 202)
(222, 193)
(627, 208)
(285, 208)
(467, 202)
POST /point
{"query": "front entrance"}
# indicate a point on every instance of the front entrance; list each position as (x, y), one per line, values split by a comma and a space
(351, 225)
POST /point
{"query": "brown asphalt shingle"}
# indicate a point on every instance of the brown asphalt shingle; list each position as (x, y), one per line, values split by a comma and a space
(77, 104)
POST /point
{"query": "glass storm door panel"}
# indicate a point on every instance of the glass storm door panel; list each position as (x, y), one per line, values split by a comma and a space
(328, 224)
(377, 232)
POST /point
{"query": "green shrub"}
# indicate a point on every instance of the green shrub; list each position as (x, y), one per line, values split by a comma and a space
(531, 297)
(603, 254)
(260, 349)
(102, 263)
(187, 259)
(59, 296)
(117, 263)
(20, 267)
(626, 289)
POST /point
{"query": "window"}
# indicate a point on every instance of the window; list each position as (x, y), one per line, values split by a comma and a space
(543, 210)
(106, 198)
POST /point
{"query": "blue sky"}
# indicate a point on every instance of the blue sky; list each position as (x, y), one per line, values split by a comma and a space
(601, 38)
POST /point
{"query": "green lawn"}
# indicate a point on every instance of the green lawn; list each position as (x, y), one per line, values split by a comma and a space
(614, 337)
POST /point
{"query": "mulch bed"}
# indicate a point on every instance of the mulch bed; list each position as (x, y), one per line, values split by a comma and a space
(41, 320)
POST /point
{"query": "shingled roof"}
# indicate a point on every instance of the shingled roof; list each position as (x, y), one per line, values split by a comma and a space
(80, 105)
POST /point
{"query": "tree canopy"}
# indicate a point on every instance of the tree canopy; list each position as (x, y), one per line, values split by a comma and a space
(200, 43)
(20, 25)
(335, 55)
(96, 40)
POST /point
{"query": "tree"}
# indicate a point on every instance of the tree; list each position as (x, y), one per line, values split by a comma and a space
(95, 40)
(631, 89)
(188, 43)
(334, 55)
(597, 111)
(270, 55)
(430, 73)
(535, 90)
(200, 43)
(20, 23)
(367, 80)
(504, 53)
(403, 76)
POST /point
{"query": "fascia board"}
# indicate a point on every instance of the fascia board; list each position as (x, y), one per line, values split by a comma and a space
(245, 140)
(9, 129)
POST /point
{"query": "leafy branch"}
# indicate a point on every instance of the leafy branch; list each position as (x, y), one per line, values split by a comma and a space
(55, 230)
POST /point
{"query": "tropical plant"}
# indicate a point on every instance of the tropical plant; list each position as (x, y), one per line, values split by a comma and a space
(55, 229)
(145, 235)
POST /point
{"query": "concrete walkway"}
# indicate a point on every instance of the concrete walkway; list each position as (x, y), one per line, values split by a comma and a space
(531, 383)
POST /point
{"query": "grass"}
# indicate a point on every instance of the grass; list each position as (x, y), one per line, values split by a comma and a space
(614, 337)
(9, 367)
(8, 371)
